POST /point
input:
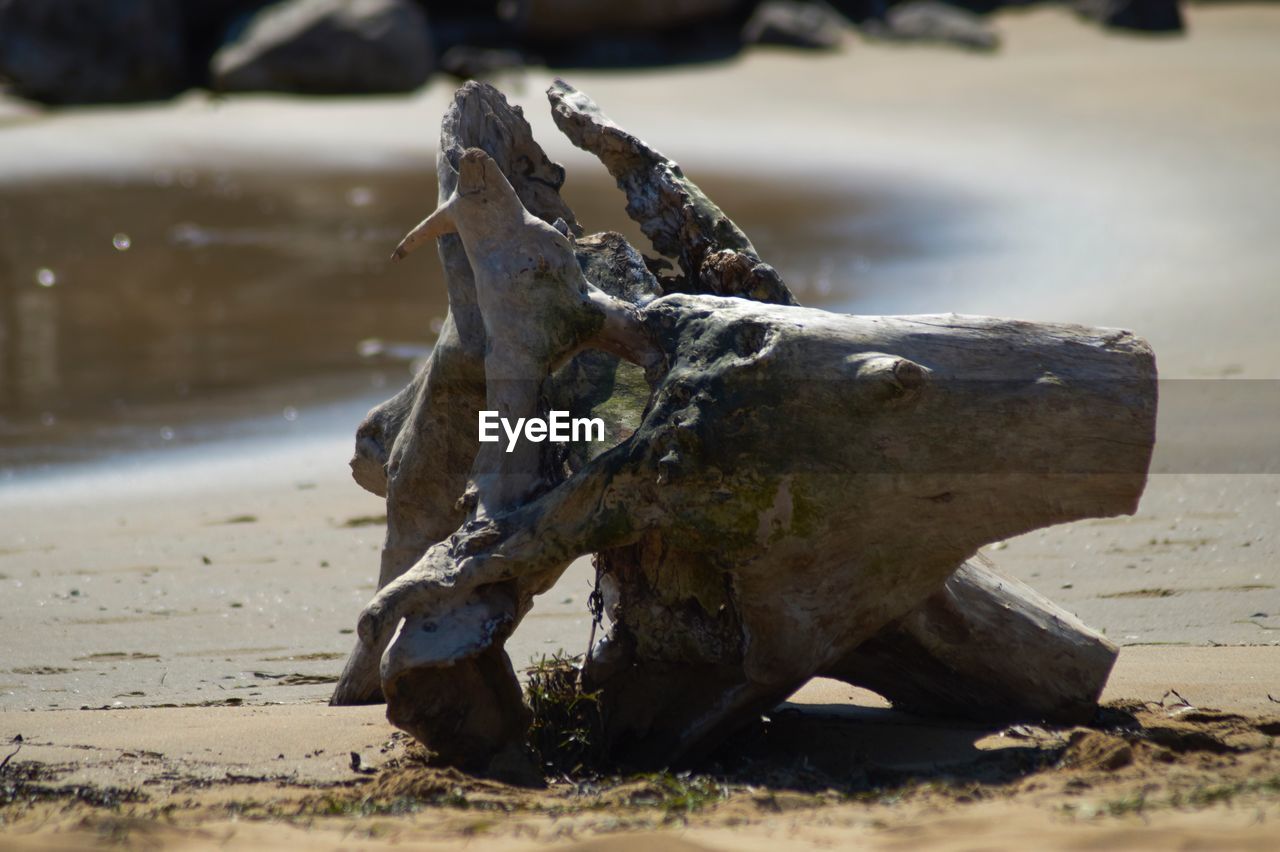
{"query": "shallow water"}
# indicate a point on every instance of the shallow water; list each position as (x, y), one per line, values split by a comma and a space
(136, 315)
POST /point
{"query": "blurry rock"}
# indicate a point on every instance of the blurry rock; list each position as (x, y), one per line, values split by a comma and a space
(91, 51)
(210, 19)
(477, 63)
(328, 47)
(858, 11)
(1153, 16)
(930, 20)
(795, 24)
(558, 20)
(697, 43)
(205, 27)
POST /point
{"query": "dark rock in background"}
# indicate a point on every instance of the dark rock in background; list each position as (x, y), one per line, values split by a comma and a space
(478, 63)
(793, 23)
(92, 51)
(1144, 15)
(595, 34)
(560, 20)
(932, 21)
(1153, 16)
(206, 24)
(328, 47)
(709, 42)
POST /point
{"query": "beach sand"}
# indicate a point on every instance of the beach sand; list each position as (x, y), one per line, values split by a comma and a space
(1108, 180)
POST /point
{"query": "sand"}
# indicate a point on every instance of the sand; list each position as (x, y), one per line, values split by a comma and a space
(829, 776)
(1109, 180)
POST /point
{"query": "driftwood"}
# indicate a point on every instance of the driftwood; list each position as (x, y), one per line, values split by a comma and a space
(942, 658)
(798, 497)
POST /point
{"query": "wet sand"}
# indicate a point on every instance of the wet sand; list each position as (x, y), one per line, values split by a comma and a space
(1076, 176)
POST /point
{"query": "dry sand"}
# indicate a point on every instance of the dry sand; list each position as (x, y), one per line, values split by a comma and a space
(1112, 180)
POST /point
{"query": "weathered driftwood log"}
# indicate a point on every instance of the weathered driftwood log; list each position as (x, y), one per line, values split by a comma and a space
(823, 476)
(439, 444)
(898, 467)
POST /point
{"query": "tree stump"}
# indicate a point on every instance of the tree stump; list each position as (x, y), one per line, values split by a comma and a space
(797, 496)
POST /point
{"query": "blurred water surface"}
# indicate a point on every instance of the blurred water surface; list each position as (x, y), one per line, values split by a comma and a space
(203, 304)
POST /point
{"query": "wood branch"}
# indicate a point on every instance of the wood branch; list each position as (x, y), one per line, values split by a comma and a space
(417, 449)
(989, 648)
(605, 259)
(537, 311)
(673, 213)
(586, 386)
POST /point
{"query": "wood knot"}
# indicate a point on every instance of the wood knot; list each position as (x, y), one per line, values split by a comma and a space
(749, 339)
(668, 467)
(888, 377)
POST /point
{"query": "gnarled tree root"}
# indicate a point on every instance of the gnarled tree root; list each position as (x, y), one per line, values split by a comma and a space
(795, 501)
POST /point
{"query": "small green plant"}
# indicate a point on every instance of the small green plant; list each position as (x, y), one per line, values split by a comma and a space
(680, 794)
(567, 733)
(1133, 804)
(1207, 795)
